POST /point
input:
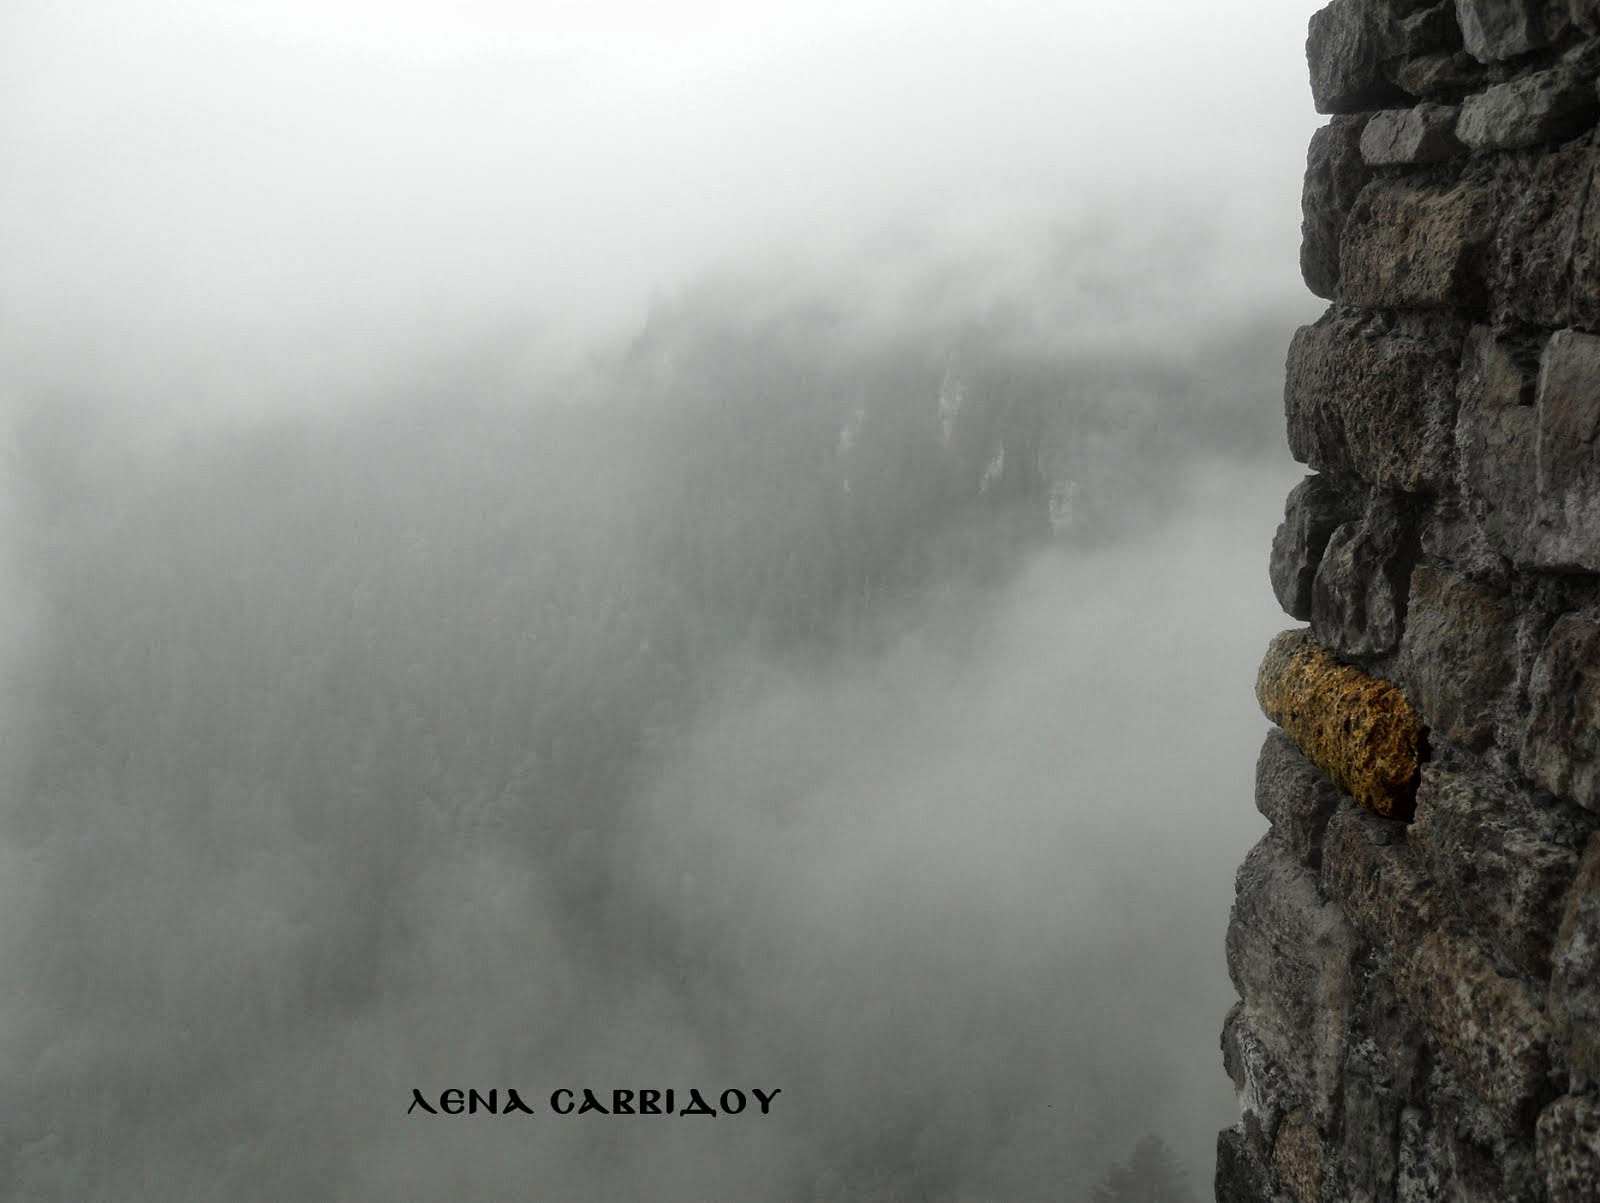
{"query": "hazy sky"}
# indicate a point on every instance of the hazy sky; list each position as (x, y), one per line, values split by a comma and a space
(220, 198)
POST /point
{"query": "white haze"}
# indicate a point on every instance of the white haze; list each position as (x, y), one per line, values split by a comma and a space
(927, 874)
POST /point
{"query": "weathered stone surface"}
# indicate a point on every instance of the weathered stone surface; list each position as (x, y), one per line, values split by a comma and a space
(1575, 985)
(1264, 1090)
(1359, 595)
(1546, 259)
(1585, 14)
(1502, 860)
(1488, 1025)
(1566, 531)
(1297, 1158)
(1502, 29)
(1455, 657)
(1542, 107)
(1445, 72)
(1569, 1149)
(1424, 134)
(1375, 397)
(1347, 47)
(1561, 751)
(1240, 1175)
(1372, 873)
(1289, 953)
(1314, 509)
(1335, 175)
(1417, 245)
(1295, 796)
(1497, 442)
(1357, 729)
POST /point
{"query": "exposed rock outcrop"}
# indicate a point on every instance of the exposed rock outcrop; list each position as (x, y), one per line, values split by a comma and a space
(1416, 940)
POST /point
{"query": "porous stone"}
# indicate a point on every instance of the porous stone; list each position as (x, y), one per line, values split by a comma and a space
(1417, 245)
(1502, 29)
(1575, 984)
(1357, 729)
(1375, 396)
(1297, 1158)
(1424, 134)
(1240, 1173)
(1503, 861)
(1315, 508)
(1542, 107)
(1566, 532)
(1569, 1149)
(1294, 796)
(1455, 657)
(1496, 441)
(1545, 265)
(1359, 594)
(1375, 876)
(1335, 175)
(1561, 751)
(1489, 1026)
(1289, 953)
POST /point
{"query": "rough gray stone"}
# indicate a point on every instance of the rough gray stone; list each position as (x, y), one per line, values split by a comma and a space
(1566, 532)
(1489, 1026)
(1313, 510)
(1543, 107)
(1289, 953)
(1424, 134)
(1359, 594)
(1455, 656)
(1585, 14)
(1561, 750)
(1296, 797)
(1496, 440)
(1417, 245)
(1335, 175)
(1445, 72)
(1500, 29)
(1348, 44)
(1545, 264)
(1569, 1149)
(1375, 397)
(1575, 984)
(1505, 862)
(1370, 871)
(1241, 1176)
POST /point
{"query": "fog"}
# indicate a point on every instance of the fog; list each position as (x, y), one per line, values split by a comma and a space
(576, 547)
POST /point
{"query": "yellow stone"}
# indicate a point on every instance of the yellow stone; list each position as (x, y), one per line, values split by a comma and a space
(1357, 729)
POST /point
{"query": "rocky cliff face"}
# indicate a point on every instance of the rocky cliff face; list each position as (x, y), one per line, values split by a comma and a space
(1416, 941)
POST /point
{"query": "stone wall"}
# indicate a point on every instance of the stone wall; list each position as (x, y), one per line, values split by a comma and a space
(1416, 941)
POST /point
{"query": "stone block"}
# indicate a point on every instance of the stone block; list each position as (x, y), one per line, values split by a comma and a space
(1417, 245)
(1493, 30)
(1568, 1149)
(1376, 397)
(1315, 508)
(1575, 984)
(1455, 657)
(1335, 175)
(1295, 796)
(1566, 530)
(1356, 728)
(1489, 1026)
(1545, 264)
(1348, 46)
(1297, 1158)
(1372, 873)
(1289, 954)
(1496, 441)
(1241, 1176)
(1545, 106)
(1359, 594)
(1441, 72)
(1561, 750)
(1502, 860)
(1424, 134)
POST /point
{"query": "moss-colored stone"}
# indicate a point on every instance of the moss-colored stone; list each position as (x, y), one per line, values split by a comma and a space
(1357, 729)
